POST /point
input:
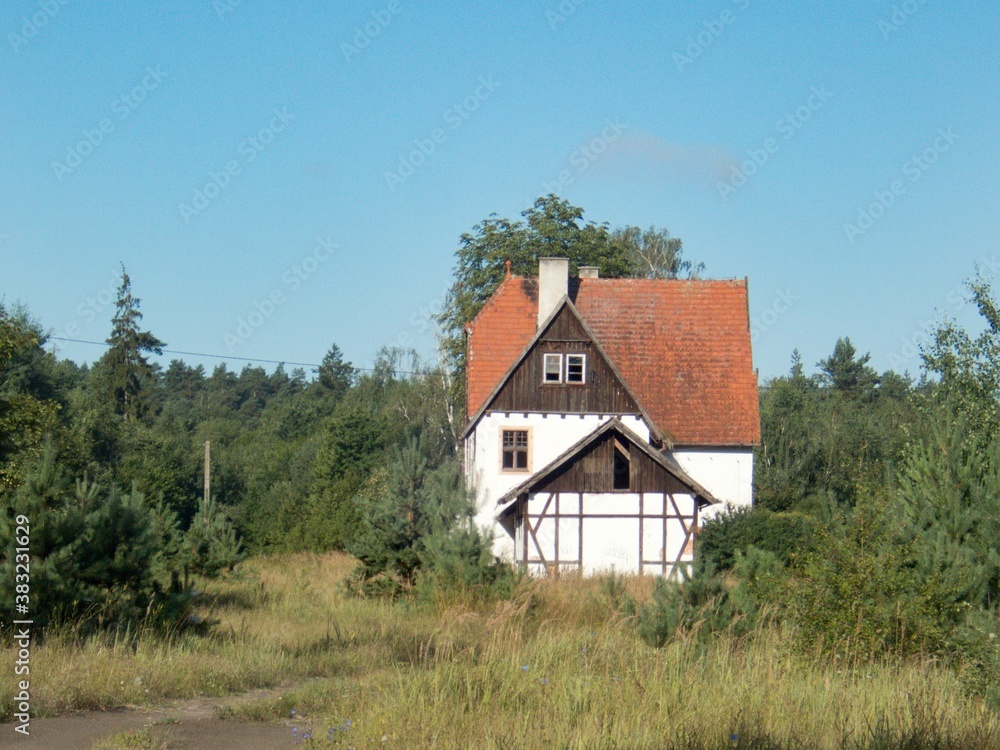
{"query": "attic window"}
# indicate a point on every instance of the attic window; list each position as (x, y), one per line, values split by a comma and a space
(553, 368)
(576, 368)
(622, 474)
(514, 450)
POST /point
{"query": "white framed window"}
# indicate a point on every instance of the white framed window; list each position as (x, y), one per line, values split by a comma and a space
(515, 454)
(576, 368)
(552, 368)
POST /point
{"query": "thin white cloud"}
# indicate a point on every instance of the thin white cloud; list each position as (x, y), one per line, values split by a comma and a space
(640, 152)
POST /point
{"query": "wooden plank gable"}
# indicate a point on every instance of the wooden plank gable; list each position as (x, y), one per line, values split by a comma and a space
(602, 391)
(593, 471)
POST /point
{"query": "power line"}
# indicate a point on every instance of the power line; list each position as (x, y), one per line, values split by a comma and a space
(227, 357)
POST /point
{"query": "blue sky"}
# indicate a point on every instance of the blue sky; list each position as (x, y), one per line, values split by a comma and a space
(308, 168)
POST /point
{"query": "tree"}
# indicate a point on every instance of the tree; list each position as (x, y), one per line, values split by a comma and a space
(845, 372)
(654, 254)
(57, 527)
(126, 372)
(950, 495)
(28, 405)
(411, 522)
(968, 368)
(335, 375)
(93, 553)
(210, 544)
(820, 444)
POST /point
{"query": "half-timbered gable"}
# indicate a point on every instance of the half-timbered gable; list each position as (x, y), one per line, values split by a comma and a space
(609, 502)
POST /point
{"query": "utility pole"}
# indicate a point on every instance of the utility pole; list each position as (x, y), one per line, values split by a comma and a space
(208, 469)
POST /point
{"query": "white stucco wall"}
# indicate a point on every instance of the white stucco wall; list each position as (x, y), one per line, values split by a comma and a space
(725, 472)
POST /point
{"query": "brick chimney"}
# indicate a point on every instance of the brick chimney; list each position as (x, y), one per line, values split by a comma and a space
(553, 285)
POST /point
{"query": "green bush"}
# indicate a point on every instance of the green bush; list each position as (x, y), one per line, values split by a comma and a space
(722, 538)
(710, 602)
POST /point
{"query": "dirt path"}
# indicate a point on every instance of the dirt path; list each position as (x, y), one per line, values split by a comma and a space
(183, 724)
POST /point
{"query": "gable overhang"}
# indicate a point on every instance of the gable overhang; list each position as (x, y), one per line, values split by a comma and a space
(508, 501)
(655, 432)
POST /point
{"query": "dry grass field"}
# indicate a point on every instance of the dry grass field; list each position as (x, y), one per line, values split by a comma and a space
(554, 666)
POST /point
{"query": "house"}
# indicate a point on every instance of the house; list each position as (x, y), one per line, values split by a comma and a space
(608, 417)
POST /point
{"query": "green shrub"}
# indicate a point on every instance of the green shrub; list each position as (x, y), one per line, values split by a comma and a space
(721, 538)
(711, 602)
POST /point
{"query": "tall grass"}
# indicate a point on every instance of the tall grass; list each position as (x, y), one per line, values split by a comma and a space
(558, 665)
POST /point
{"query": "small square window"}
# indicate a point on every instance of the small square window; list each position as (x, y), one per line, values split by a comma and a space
(576, 368)
(515, 450)
(553, 368)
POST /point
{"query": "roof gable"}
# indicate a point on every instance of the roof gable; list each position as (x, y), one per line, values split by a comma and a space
(681, 347)
(605, 390)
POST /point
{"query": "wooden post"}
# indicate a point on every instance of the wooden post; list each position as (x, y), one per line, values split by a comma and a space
(208, 469)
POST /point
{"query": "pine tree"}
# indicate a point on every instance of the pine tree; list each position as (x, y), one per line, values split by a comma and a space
(210, 543)
(420, 517)
(951, 495)
(126, 371)
(335, 375)
(57, 527)
(846, 373)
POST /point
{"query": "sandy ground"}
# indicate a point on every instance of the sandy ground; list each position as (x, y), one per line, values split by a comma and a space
(183, 724)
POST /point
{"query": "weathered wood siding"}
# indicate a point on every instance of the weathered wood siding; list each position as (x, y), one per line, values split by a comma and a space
(593, 471)
(601, 393)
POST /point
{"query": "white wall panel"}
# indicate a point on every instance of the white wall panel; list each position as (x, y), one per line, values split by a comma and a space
(610, 544)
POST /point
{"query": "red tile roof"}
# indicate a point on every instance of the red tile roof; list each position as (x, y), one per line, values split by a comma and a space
(683, 348)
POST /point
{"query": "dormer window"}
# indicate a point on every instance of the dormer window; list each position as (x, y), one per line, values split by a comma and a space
(576, 368)
(553, 368)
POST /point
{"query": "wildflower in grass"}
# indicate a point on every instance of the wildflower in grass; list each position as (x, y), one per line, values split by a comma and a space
(545, 681)
(734, 737)
(524, 668)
